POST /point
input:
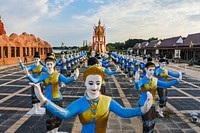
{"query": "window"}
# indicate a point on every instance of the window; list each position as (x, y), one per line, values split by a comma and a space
(44, 50)
(34, 50)
(12, 51)
(27, 50)
(5, 52)
(24, 50)
(41, 51)
(18, 51)
(31, 51)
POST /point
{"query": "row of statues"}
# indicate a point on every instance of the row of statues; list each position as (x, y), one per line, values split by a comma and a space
(148, 78)
(94, 107)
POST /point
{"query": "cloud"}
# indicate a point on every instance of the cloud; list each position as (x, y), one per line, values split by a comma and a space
(96, 1)
(22, 14)
(144, 19)
(56, 6)
(195, 17)
(72, 21)
(26, 15)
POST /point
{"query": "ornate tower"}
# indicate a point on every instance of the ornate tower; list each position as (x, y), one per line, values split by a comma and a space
(99, 39)
(2, 30)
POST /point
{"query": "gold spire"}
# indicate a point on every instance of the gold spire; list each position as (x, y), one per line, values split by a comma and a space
(99, 22)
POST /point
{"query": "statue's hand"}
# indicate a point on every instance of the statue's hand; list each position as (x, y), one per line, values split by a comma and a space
(26, 71)
(137, 76)
(19, 60)
(118, 69)
(180, 76)
(140, 71)
(148, 103)
(76, 74)
(38, 92)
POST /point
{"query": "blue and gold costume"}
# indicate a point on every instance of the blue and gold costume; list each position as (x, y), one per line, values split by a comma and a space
(142, 67)
(36, 71)
(62, 63)
(68, 63)
(93, 115)
(162, 75)
(127, 65)
(103, 85)
(51, 83)
(150, 85)
(136, 66)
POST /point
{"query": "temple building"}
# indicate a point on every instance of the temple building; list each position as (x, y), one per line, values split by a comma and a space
(99, 39)
(175, 48)
(14, 46)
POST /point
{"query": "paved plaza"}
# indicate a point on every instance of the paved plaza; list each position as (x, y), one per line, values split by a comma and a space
(15, 102)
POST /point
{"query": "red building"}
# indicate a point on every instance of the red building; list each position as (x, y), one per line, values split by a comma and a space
(14, 46)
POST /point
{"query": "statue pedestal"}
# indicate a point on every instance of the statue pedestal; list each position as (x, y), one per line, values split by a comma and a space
(32, 112)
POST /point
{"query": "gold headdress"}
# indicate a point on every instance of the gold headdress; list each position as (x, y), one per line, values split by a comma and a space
(50, 58)
(93, 70)
(150, 64)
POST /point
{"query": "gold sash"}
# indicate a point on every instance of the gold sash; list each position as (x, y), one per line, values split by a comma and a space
(37, 70)
(53, 80)
(164, 74)
(100, 117)
(152, 87)
(64, 63)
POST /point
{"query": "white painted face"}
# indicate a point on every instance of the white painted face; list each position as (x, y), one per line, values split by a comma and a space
(150, 72)
(162, 65)
(37, 60)
(131, 59)
(106, 55)
(53, 55)
(145, 60)
(50, 67)
(62, 55)
(100, 61)
(137, 58)
(93, 53)
(93, 85)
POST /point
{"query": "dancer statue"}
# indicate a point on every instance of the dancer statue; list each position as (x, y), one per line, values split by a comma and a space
(93, 109)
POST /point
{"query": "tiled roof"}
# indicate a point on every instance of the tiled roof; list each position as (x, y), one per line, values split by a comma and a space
(192, 39)
(169, 42)
(137, 46)
(152, 44)
(144, 44)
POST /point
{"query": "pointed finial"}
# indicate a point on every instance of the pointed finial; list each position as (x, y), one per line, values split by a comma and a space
(99, 22)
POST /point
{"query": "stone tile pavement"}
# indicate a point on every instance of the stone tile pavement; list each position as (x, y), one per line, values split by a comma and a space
(15, 103)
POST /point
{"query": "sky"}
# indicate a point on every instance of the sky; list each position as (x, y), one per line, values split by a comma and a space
(72, 21)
